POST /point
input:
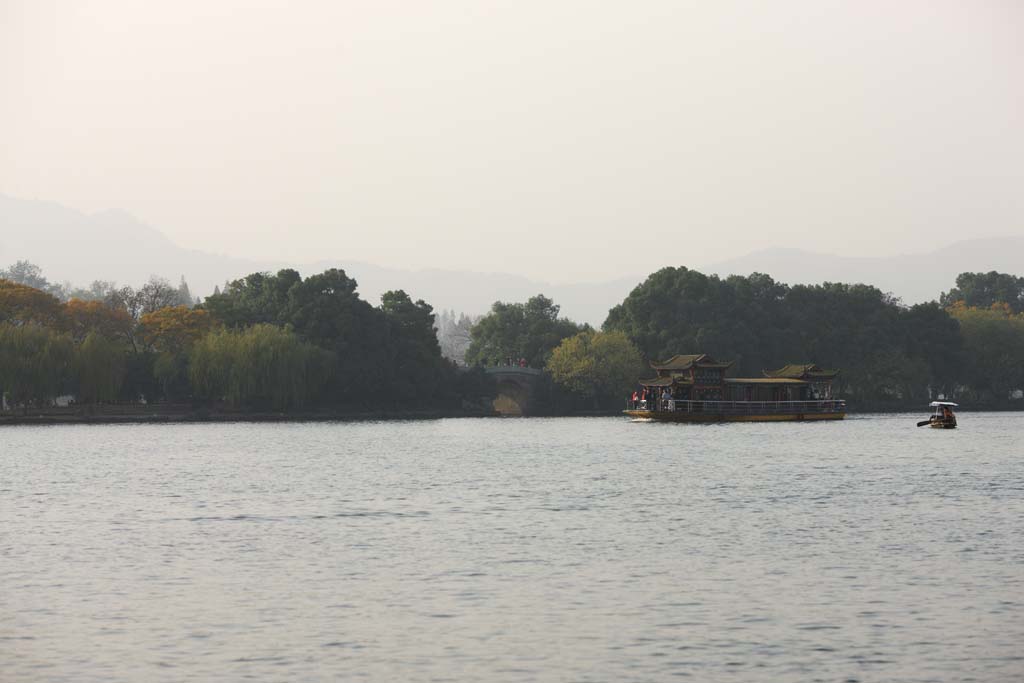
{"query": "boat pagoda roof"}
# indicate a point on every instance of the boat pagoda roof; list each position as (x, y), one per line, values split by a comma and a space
(801, 371)
(936, 404)
(685, 362)
(770, 381)
(764, 380)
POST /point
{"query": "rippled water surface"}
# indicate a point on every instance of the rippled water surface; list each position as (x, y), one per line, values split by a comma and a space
(514, 550)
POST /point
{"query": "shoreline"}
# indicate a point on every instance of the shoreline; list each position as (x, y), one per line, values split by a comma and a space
(198, 417)
(48, 418)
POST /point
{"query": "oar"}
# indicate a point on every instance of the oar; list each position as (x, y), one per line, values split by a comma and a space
(922, 424)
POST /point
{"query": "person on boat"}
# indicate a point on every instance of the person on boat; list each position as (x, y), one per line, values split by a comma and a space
(947, 413)
(636, 398)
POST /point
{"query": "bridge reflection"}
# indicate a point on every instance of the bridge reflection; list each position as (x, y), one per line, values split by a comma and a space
(515, 386)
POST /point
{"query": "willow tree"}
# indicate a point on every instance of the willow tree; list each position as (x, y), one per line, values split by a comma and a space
(170, 332)
(99, 366)
(263, 365)
(519, 331)
(35, 363)
(325, 310)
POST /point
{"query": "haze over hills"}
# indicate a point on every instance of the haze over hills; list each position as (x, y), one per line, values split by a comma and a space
(73, 246)
(112, 245)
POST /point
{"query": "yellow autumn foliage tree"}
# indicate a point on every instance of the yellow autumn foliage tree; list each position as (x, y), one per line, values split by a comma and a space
(175, 329)
(596, 365)
(22, 305)
(85, 317)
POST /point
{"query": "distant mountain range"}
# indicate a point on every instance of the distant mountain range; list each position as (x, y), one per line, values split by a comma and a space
(113, 245)
(73, 246)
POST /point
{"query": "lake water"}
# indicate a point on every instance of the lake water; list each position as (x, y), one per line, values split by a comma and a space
(514, 550)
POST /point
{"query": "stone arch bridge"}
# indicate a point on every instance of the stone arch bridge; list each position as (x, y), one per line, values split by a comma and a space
(515, 387)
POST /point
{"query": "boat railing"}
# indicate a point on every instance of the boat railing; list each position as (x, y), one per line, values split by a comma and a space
(744, 407)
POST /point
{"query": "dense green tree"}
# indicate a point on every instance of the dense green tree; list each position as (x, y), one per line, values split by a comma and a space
(981, 290)
(325, 310)
(529, 330)
(885, 350)
(851, 327)
(417, 373)
(994, 341)
(385, 355)
(140, 378)
(931, 334)
(677, 308)
(256, 298)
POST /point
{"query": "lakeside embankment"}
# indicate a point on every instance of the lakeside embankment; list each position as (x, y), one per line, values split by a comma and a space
(171, 414)
(187, 414)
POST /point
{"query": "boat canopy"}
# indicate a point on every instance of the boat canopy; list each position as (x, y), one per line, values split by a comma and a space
(937, 404)
(657, 382)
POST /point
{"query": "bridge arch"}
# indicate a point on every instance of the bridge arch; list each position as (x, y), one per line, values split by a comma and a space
(514, 389)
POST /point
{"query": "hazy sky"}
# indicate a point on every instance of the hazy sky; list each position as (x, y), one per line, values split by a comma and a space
(563, 139)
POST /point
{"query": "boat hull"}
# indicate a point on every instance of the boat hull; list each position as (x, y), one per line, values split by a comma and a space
(678, 416)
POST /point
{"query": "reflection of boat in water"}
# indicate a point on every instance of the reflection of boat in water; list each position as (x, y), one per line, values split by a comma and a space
(694, 388)
(942, 417)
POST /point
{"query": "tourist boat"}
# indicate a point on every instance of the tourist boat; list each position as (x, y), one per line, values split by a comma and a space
(695, 388)
(942, 415)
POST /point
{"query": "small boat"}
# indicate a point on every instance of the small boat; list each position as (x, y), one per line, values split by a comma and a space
(942, 417)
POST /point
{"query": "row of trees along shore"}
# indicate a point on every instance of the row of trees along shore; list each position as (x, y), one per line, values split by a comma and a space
(282, 342)
(267, 342)
(968, 344)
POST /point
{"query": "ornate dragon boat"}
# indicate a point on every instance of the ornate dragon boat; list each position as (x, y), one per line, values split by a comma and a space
(695, 388)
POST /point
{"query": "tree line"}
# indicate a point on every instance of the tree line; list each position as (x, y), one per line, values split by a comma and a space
(266, 342)
(968, 344)
(156, 290)
(278, 341)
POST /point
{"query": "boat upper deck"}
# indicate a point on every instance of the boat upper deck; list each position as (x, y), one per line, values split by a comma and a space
(739, 408)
